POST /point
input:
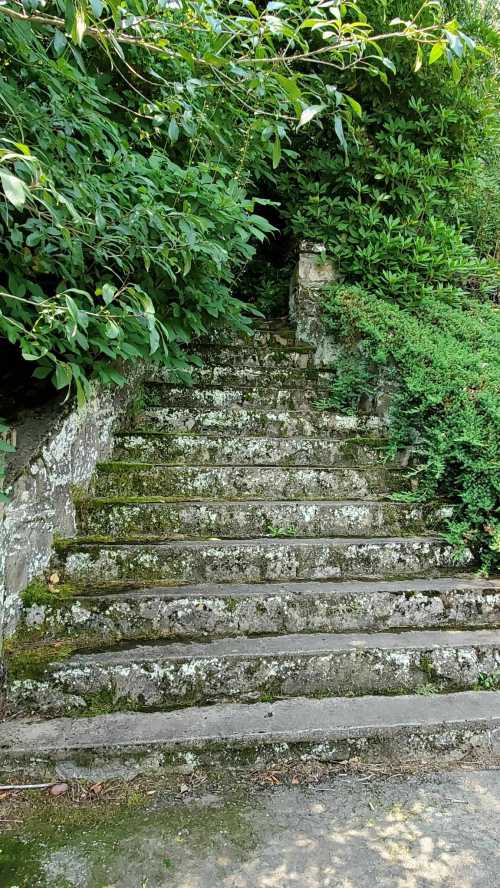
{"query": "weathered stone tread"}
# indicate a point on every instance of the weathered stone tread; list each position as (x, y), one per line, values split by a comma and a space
(250, 519)
(200, 449)
(214, 611)
(295, 645)
(244, 375)
(253, 421)
(401, 728)
(162, 676)
(252, 481)
(306, 587)
(262, 560)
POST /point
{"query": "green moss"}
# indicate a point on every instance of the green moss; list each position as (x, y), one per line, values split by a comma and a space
(39, 592)
(31, 662)
(427, 667)
(102, 836)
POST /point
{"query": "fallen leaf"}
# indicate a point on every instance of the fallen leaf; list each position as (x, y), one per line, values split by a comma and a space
(184, 787)
(54, 579)
(295, 781)
(58, 789)
(96, 788)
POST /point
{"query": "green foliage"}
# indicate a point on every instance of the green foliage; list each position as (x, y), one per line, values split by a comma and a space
(410, 220)
(5, 447)
(445, 360)
(276, 532)
(129, 136)
(488, 681)
(383, 218)
(159, 242)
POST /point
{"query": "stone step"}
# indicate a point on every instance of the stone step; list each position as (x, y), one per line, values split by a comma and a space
(253, 561)
(195, 612)
(404, 730)
(253, 357)
(265, 334)
(248, 482)
(239, 420)
(222, 397)
(199, 449)
(245, 669)
(249, 519)
(240, 375)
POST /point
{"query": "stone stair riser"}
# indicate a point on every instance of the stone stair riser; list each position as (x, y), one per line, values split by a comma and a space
(227, 562)
(234, 376)
(111, 618)
(174, 682)
(227, 450)
(286, 358)
(238, 420)
(250, 482)
(239, 520)
(293, 398)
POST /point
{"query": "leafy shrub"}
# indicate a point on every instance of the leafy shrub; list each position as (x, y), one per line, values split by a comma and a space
(410, 220)
(128, 136)
(446, 362)
(157, 242)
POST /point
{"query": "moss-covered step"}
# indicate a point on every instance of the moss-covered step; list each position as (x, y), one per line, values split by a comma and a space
(267, 334)
(300, 357)
(253, 421)
(241, 375)
(201, 449)
(246, 669)
(220, 397)
(254, 561)
(407, 730)
(250, 519)
(196, 612)
(249, 481)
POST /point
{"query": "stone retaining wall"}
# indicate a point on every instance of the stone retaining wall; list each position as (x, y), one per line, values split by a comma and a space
(57, 449)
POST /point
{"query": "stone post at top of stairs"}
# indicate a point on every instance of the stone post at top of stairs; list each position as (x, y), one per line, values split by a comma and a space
(312, 274)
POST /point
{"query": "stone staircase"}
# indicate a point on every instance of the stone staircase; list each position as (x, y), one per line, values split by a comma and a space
(244, 591)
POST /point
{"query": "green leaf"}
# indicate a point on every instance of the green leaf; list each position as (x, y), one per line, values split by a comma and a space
(112, 329)
(97, 7)
(59, 43)
(276, 152)
(356, 107)
(63, 376)
(173, 130)
(339, 131)
(108, 293)
(289, 87)
(436, 52)
(43, 371)
(418, 59)
(389, 64)
(456, 71)
(308, 114)
(69, 14)
(14, 189)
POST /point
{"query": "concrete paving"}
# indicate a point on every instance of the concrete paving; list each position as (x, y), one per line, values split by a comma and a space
(428, 831)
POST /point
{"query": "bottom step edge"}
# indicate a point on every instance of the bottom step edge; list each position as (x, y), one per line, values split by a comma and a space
(401, 729)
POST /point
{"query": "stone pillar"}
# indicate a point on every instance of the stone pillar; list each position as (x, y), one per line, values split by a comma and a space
(312, 273)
